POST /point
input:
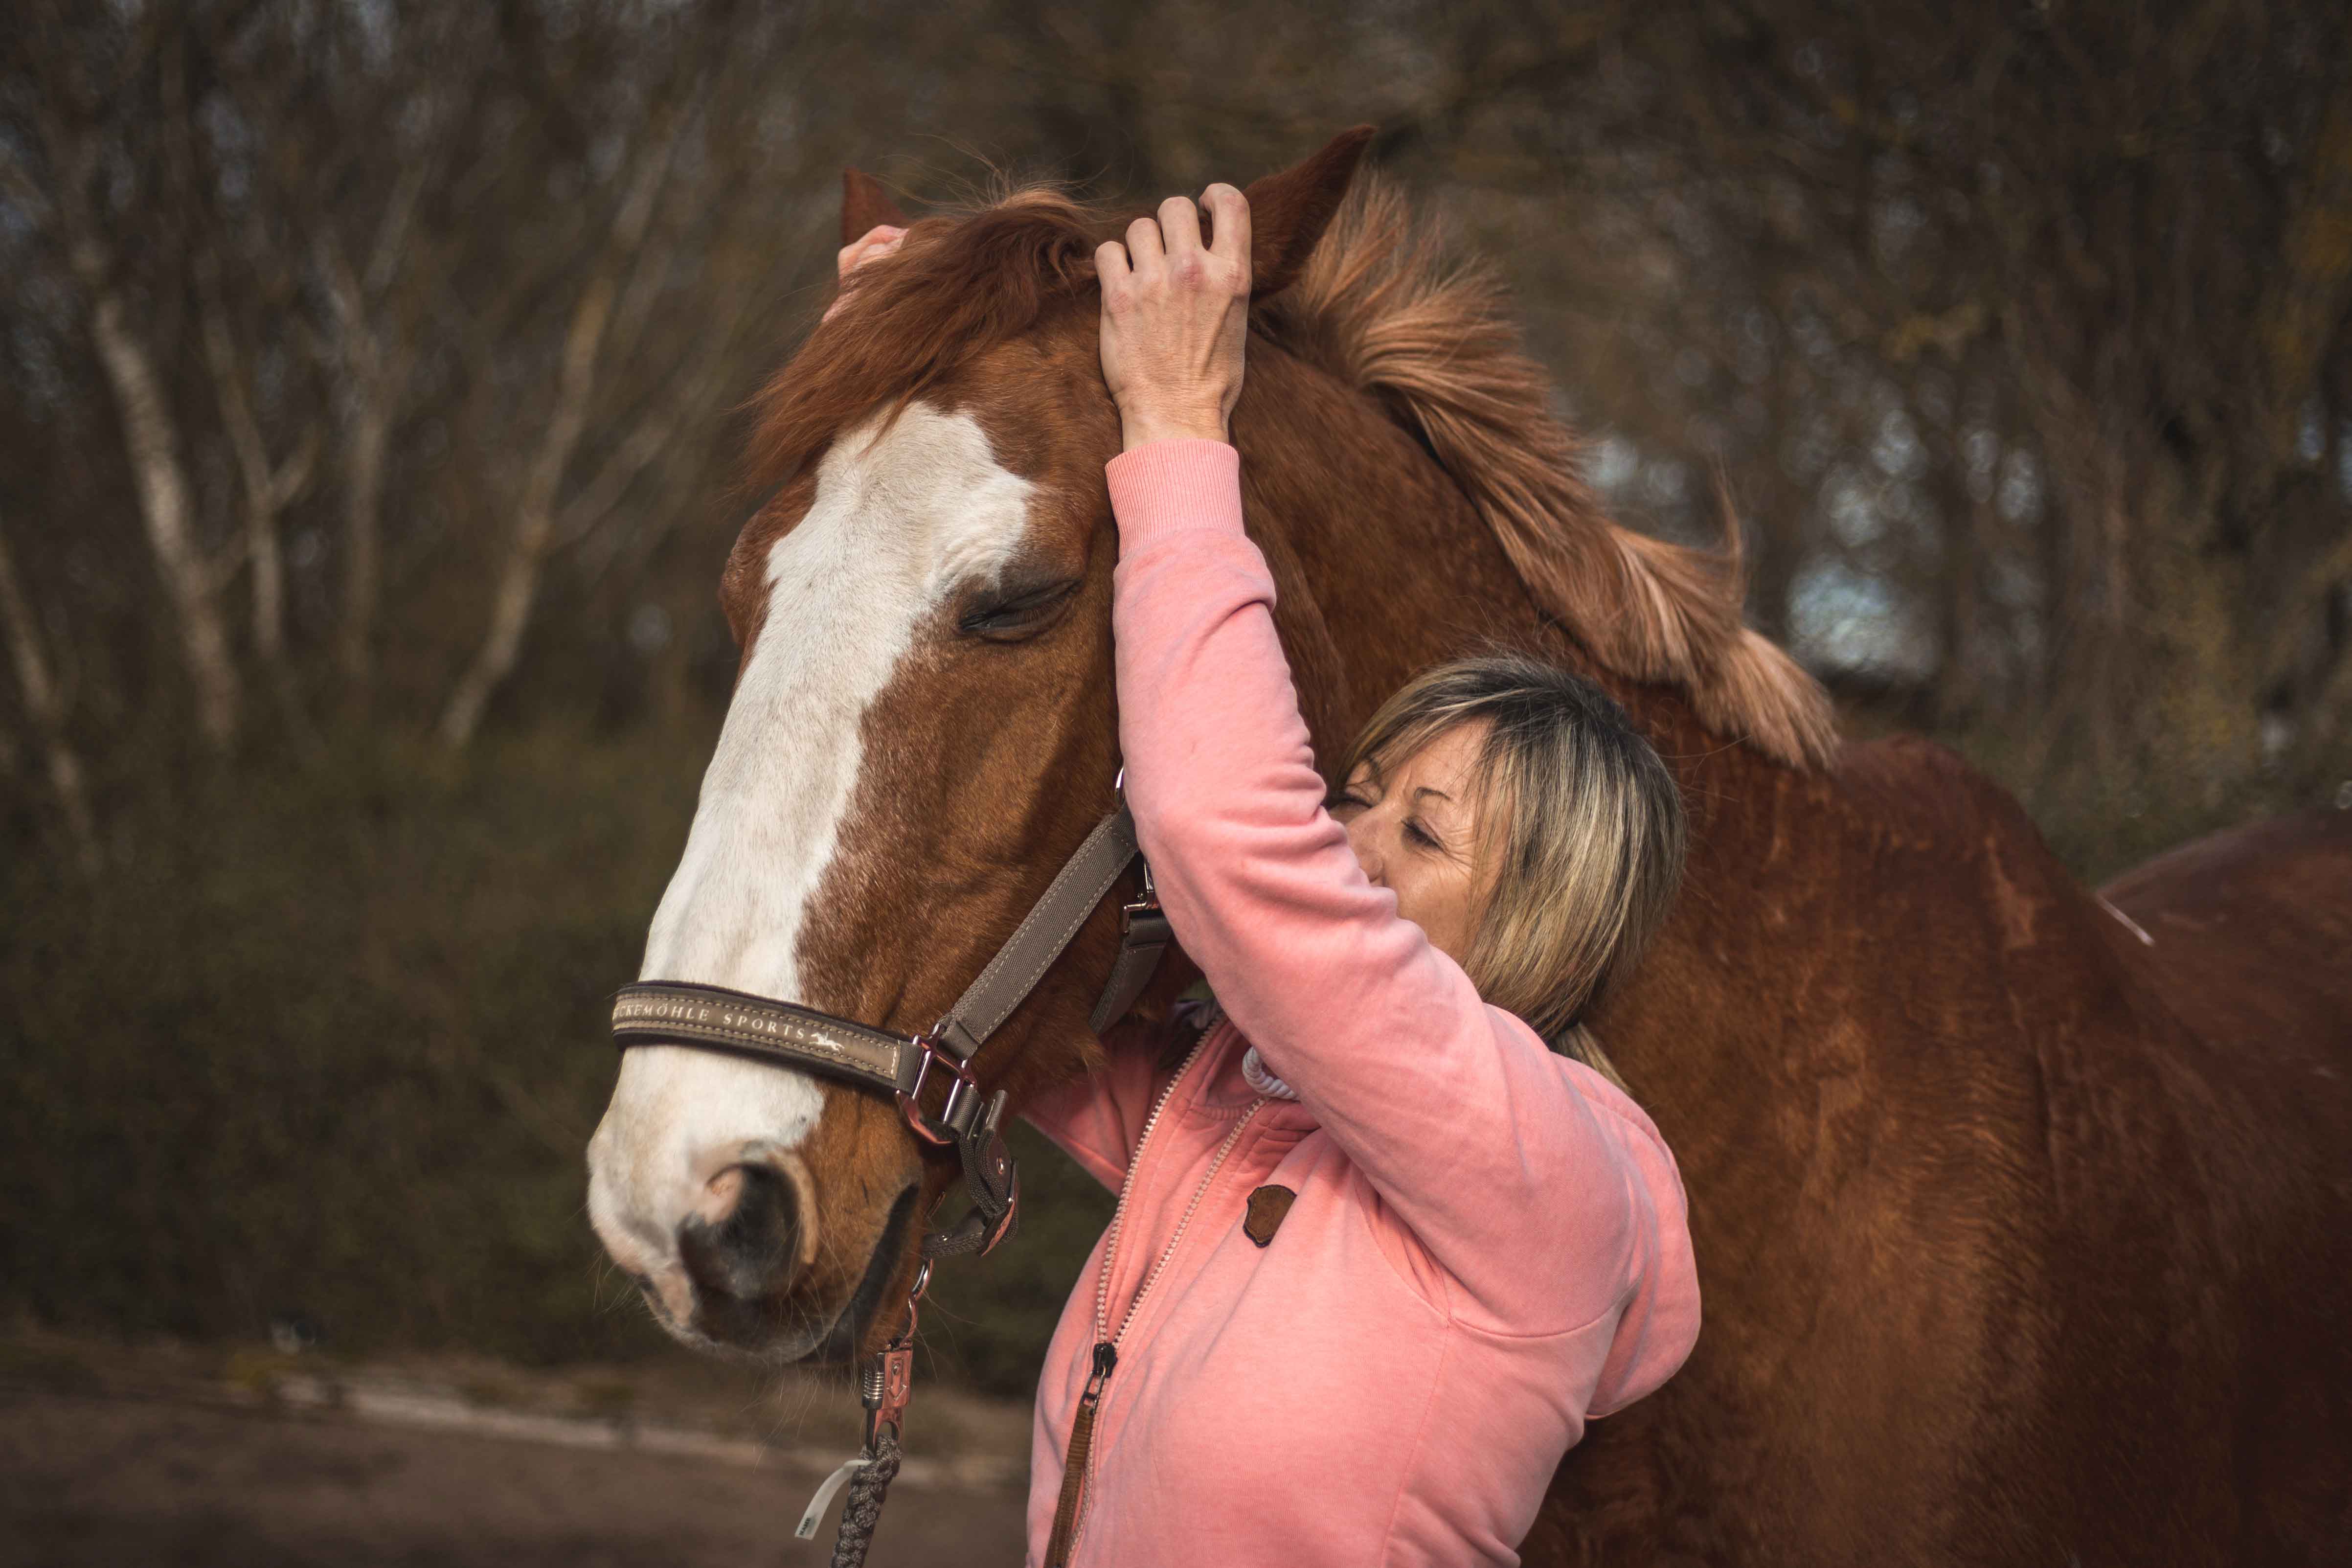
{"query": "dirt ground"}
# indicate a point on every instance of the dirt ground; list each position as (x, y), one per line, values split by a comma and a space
(141, 1458)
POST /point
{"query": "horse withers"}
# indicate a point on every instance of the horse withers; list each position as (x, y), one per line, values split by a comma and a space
(2024, 1239)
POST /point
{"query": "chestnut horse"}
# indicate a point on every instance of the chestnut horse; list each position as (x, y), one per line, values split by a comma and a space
(2025, 1230)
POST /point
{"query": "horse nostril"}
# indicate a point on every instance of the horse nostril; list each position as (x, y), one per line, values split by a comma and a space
(745, 1241)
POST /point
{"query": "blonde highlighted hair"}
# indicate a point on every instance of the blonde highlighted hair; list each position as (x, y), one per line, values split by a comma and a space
(1580, 833)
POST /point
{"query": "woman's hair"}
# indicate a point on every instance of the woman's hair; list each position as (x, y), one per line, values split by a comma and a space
(1580, 833)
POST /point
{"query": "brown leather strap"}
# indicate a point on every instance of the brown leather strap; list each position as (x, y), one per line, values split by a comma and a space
(661, 1012)
(1072, 1502)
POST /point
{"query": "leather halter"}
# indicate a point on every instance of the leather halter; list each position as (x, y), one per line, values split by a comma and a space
(712, 1018)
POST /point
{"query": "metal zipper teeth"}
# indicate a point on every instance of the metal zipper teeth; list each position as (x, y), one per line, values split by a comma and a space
(1217, 1162)
(1110, 1245)
(1118, 1210)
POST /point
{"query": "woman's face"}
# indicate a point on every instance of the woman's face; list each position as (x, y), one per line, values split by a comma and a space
(1414, 827)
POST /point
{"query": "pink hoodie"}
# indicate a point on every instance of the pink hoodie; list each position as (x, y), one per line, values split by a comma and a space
(1487, 1242)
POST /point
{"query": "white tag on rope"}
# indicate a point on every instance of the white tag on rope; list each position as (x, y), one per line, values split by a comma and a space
(825, 1494)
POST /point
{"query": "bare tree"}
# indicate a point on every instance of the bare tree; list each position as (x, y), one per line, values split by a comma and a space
(150, 431)
(270, 487)
(584, 345)
(377, 353)
(45, 704)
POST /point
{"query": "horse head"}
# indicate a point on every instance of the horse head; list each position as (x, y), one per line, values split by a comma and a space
(921, 732)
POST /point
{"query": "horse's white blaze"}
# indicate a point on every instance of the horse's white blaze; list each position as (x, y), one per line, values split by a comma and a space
(901, 519)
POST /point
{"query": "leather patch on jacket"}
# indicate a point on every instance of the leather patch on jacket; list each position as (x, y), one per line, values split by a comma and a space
(1266, 1208)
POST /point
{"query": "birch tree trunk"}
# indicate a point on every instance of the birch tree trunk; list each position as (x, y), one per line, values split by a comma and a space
(164, 500)
(370, 393)
(45, 704)
(526, 550)
(269, 488)
(148, 432)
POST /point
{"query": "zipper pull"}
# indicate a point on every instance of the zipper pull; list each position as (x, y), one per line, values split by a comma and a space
(1105, 1363)
(1075, 1458)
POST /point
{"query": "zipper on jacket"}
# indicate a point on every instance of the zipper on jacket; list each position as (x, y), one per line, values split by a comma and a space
(1077, 1460)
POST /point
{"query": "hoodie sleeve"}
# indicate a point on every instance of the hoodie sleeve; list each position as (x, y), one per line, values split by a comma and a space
(1097, 1119)
(1507, 1164)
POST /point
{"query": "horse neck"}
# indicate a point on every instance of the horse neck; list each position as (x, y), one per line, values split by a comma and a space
(1384, 566)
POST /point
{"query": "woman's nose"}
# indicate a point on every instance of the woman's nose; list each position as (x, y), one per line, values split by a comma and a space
(1361, 839)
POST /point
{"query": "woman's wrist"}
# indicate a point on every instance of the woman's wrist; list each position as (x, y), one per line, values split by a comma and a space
(1173, 486)
(1142, 428)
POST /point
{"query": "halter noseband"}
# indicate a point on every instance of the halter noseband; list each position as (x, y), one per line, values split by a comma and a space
(712, 1018)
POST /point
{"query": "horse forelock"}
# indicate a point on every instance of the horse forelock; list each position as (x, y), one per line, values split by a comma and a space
(955, 287)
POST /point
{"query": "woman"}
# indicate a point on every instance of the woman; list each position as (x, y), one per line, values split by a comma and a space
(1378, 1252)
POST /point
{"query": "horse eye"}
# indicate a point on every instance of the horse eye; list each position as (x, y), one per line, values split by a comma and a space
(1019, 614)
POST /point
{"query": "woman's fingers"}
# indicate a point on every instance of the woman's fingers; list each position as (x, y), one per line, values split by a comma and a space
(1175, 317)
(1229, 213)
(1111, 263)
(1180, 226)
(1145, 253)
(880, 240)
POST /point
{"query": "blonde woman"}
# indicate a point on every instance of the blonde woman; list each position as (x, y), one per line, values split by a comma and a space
(1380, 1249)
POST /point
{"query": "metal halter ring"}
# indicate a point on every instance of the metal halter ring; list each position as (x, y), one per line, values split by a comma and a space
(942, 1133)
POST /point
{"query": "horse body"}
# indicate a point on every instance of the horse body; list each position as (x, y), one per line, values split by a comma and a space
(2011, 1252)
(1979, 1236)
(1988, 1229)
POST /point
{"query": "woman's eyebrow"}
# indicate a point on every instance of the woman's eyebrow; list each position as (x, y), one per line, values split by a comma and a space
(1426, 789)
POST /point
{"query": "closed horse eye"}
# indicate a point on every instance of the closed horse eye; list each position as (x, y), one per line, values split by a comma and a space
(1018, 615)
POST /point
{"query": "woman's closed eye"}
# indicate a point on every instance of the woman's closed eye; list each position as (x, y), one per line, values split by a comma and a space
(1348, 802)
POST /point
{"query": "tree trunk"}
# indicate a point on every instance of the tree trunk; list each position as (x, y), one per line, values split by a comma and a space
(519, 575)
(526, 558)
(270, 489)
(46, 706)
(164, 494)
(367, 442)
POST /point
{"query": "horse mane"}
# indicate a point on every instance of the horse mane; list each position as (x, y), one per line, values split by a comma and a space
(1382, 306)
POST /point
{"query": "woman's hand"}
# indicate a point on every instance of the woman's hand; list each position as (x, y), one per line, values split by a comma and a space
(1175, 314)
(880, 240)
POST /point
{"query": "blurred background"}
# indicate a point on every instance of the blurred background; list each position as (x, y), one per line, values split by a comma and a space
(373, 383)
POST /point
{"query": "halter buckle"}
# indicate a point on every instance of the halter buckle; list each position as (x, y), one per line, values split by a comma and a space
(1145, 907)
(939, 1134)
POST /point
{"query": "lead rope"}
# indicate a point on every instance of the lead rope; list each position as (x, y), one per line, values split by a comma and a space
(884, 1387)
(863, 1512)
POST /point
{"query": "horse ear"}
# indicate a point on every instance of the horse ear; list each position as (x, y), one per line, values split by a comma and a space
(1290, 211)
(864, 203)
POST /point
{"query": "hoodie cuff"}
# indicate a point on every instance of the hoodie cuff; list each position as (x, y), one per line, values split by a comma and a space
(1167, 487)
